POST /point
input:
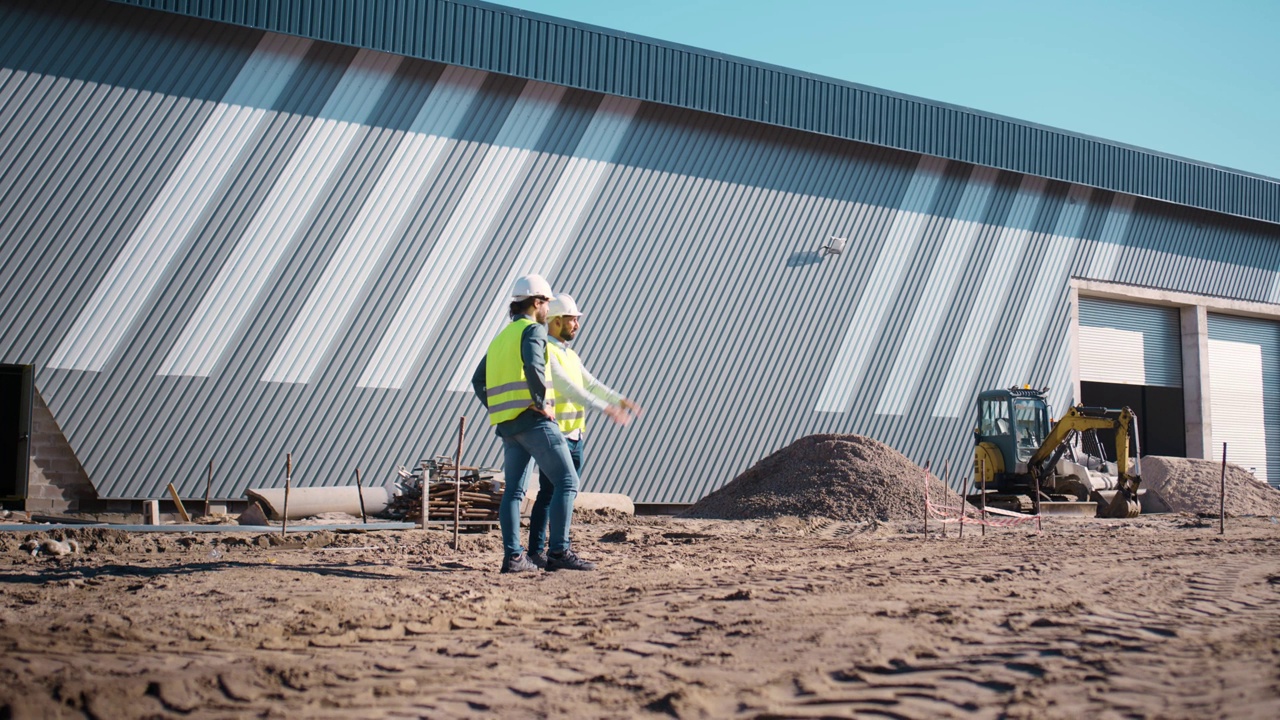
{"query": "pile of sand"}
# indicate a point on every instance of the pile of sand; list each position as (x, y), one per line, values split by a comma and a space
(1187, 485)
(842, 477)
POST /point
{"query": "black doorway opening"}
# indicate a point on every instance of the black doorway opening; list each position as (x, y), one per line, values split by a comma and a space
(1161, 420)
(15, 423)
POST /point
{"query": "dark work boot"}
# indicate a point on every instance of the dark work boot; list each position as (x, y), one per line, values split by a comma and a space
(517, 564)
(539, 559)
(567, 560)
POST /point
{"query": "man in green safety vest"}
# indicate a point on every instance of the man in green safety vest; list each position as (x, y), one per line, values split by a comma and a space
(513, 383)
(576, 390)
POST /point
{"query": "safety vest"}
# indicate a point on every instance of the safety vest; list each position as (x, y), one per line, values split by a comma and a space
(570, 416)
(506, 388)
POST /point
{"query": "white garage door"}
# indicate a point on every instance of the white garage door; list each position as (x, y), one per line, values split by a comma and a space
(1244, 392)
(1129, 343)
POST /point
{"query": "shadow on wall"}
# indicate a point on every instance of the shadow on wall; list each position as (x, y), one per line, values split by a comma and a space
(807, 257)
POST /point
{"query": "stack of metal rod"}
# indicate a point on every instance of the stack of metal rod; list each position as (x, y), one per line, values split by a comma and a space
(480, 490)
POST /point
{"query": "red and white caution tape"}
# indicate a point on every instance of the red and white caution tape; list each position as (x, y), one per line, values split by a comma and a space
(952, 514)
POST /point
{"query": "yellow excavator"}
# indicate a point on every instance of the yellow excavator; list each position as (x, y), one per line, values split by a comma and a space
(1026, 462)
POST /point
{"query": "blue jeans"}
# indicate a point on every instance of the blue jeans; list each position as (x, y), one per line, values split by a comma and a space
(542, 503)
(544, 444)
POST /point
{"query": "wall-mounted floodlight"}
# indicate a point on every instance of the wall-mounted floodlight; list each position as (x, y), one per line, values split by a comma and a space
(834, 246)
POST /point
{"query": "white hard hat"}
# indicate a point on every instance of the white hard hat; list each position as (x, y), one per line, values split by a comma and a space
(563, 305)
(527, 286)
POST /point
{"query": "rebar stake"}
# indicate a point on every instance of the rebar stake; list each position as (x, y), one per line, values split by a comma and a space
(984, 496)
(426, 483)
(927, 464)
(457, 481)
(1222, 495)
(208, 484)
(964, 502)
(360, 491)
(288, 482)
(946, 481)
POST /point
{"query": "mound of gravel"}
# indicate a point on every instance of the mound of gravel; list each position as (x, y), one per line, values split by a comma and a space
(1188, 485)
(842, 477)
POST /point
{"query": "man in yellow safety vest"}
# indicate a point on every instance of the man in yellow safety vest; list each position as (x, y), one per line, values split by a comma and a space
(576, 390)
(513, 383)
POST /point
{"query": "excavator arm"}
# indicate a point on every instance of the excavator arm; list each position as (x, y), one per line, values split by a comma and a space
(1080, 418)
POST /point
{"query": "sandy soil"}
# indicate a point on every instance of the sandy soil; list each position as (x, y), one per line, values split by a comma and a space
(1195, 486)
(1156, 617)
(843, 477)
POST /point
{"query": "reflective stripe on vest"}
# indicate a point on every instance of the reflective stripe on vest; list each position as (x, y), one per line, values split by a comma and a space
(570, 416)
(506, 388)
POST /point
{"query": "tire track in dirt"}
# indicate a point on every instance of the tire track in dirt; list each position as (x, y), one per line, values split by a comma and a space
(789, 618)
(1121, 659)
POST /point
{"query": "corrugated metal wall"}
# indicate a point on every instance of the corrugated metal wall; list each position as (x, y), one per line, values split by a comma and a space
(228, 245)
(521, 44)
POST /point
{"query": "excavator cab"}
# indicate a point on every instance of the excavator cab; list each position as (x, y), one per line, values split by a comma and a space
(1014, 421)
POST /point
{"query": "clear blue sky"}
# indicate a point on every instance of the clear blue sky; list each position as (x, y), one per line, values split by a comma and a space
(1198, 79)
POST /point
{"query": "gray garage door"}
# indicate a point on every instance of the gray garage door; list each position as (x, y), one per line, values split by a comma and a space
(1129, 343)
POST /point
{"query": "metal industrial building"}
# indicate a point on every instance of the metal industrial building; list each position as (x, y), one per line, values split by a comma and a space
(232, 229)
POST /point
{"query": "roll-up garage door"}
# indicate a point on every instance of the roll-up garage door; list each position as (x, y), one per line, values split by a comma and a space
(1129, 344)
(1244, 392)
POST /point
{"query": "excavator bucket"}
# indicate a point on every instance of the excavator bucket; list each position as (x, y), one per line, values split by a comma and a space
(1125, 503)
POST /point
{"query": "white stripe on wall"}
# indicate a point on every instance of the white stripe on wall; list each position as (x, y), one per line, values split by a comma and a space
(969, 356)
(1106, 249)
(944, 278)
(558, 221)
(172, 216)
(1049, 286)
(410, 331)
(282, 215)
(375, 228)
(894, 254)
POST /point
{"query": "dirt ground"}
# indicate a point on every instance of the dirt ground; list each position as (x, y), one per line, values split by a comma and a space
(1156, 617)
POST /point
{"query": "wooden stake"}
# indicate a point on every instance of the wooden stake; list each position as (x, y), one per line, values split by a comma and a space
(288, 482)
(182, 512)
(208, 485)
(360, 492)
(1222, 495)
(457, 479)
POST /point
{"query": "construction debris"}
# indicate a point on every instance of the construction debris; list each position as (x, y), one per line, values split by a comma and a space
(49, 546)
(481, 493)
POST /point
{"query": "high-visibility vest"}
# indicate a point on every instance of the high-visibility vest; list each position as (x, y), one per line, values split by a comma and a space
(570, 416)
(506, 388)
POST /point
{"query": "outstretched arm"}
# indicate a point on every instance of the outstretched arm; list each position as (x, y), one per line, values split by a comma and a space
(581, 396)
(607, 394)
